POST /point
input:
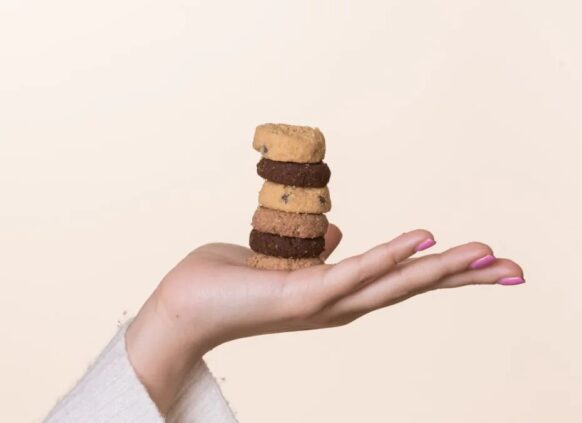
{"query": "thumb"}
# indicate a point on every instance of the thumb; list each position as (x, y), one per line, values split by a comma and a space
(333, 237)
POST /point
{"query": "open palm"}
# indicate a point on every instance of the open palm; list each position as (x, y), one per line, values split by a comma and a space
(212, 296)
(213, 291)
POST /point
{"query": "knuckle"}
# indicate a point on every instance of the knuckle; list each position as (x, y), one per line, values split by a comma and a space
(479, 246)
(403, 289)
(405, 292)
(443, 267)
(424, 232)
(358, 264)
(472, 280)
(341, 321)
(510, 267)
(389, 254)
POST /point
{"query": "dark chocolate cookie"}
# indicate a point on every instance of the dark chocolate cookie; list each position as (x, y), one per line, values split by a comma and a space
(285, 246)
(314, 175)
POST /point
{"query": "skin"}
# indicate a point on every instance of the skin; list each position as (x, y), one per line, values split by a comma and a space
(212, 296)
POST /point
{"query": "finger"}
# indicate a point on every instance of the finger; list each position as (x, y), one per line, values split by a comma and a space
(416, 276)
(502, 272)
(333, 237)
(350, 274)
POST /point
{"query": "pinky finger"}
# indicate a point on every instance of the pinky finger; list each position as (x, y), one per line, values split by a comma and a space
(501, 272)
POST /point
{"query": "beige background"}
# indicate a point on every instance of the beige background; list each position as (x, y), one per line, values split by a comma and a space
(125, 141)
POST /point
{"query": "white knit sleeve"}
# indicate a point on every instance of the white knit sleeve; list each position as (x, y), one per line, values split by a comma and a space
(201, 400)
(111, 392)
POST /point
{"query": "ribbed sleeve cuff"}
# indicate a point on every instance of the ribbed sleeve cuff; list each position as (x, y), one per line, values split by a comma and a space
(110, 391)
(201, 400)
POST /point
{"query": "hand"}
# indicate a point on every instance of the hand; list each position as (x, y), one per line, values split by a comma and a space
(212, 296)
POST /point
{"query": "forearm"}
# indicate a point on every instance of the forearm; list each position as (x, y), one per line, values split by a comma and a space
(160, 355)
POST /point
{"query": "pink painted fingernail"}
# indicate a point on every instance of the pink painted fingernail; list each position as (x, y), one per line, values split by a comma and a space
(427, 243)
(514, 280)
(482, 262)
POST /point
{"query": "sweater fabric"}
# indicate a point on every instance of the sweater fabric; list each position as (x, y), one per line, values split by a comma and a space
(111, 392)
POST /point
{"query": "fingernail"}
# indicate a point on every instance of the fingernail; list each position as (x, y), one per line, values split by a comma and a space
(427, 243)
(514, 280)
(482, 262)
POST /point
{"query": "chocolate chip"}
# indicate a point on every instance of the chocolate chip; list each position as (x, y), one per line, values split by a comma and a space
(322, 199)
(285, 198)
(264, 149)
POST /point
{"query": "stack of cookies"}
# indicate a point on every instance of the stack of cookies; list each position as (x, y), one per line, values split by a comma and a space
(289, 225)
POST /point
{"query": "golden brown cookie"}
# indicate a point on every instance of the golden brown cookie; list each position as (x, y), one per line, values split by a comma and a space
(289, 143)
(261, 261)
(294, 199)
(301, 225)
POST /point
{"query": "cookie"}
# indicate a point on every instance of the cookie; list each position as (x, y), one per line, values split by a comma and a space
(299, 225)
(289, 143)
(294, 199)
(285, 246)
(295, 174)
(261, 261)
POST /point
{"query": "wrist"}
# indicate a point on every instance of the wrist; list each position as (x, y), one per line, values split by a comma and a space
(159, 354)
